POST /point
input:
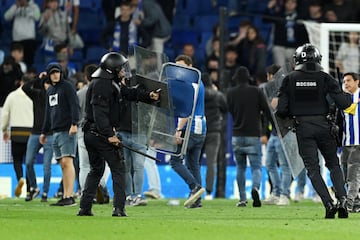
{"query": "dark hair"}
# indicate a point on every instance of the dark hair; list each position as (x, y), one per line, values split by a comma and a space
(89, 70)
(258, 39)
(186, 59)
(241, 75)
(316, 3)
(60, 46)
(355, 76)
(272, 69)
(205, 77)
(231, 49)
(17, 46)
(215, 28)
(26, 78)
(125, 3)
(245, 22)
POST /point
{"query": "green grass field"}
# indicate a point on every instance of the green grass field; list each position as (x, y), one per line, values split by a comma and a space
(218, 219)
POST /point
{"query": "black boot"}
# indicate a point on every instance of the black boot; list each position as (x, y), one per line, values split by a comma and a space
(330, 210)
(342, 208)
(84, 212)
(117, 212)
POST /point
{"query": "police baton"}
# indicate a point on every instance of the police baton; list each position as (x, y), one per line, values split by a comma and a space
(127, 147)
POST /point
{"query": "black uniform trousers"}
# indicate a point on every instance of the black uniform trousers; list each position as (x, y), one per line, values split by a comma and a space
(313, 133)
(99, 151)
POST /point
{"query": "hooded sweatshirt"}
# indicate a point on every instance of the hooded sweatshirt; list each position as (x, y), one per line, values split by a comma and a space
(62, 104)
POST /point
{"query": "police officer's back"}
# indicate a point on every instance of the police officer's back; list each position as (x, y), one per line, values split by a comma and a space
(303, 95)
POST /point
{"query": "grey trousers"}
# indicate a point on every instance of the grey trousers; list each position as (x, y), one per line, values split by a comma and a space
(350, 161)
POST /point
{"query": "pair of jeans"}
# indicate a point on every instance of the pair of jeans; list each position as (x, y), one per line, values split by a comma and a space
(211, 146)
(190, 172)
(244, 147)
(274, 153)
(134, 163)
(33, 147)
(152, 173)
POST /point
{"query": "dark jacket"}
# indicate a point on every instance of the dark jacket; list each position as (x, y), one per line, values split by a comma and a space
(215, 108)
(134, 94)
(36, 91)
(62, 107)
(155, 20)
(246, 103)
(104, 105)
(305, 93)
(9, 81)
(280, 28)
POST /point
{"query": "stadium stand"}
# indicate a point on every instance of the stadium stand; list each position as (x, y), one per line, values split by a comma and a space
(193, 23)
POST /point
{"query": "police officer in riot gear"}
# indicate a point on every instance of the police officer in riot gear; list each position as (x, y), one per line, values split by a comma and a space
(103, 103)
(303, 96)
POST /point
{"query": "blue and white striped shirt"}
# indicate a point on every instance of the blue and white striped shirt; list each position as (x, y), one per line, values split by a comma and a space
(351, 123)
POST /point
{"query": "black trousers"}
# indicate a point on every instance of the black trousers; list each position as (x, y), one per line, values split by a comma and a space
(18, 151)
(100, 151)
(313, 133)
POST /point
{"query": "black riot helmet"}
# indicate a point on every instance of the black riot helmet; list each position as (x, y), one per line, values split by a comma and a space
(308, 58)
(110, 65)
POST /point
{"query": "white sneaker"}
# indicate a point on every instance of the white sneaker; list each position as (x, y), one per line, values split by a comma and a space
(316, 199)
(208, 197)
(283, 201)
(152, 194)
(272, 200)
(299, 197)
(139, 201)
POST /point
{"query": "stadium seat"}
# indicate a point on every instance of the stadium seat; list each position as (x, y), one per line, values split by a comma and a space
(94, 54)
(40, 67)
(204, 37)
(234, 22)
(170, 53)
(89, 20)
(90, 26)
(39, 3)
(77, 56)
(5, 5)
(205, 23)
(179, 38)
(200, 57)
(187, 7)
(39, 56)
(6, 36)
(205, 7)
(92, 5)
(183, 22)
(256, 6)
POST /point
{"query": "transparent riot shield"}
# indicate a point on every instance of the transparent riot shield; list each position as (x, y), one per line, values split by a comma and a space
(183, 86)
(154, 124)
(146, 67)
(284, 127)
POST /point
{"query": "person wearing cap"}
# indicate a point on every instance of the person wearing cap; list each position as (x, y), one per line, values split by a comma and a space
(62, 113)
(103, 114)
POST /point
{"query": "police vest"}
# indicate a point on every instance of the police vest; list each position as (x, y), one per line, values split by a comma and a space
(307, 94)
